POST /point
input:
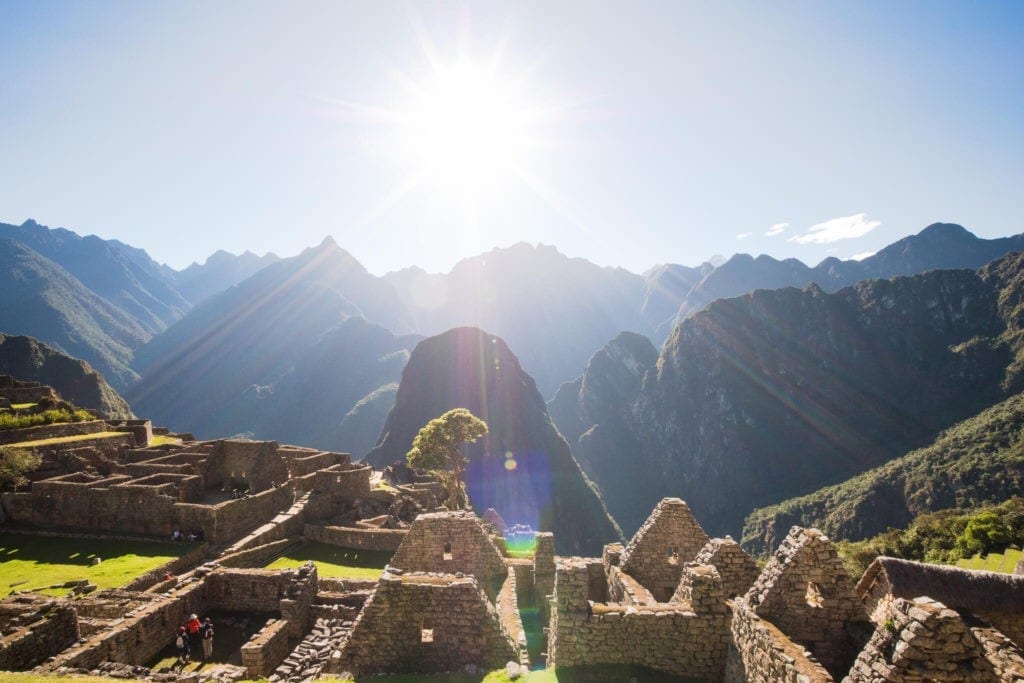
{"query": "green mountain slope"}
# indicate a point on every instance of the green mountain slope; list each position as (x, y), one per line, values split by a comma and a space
(42, 300)
(979, 461)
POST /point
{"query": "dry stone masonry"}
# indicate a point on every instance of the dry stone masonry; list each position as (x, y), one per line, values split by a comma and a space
(452, 599)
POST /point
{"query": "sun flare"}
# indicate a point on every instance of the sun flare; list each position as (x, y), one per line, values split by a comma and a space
(468, 132)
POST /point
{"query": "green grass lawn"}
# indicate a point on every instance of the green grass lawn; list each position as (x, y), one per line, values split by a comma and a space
(993, 562)
(163, 440)
(28, 562)
(609, 673)
(334, 561)
(65, 439)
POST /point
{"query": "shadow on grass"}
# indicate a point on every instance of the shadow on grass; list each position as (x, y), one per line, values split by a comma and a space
(80, 551)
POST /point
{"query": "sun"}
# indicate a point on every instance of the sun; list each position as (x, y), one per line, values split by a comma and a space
(467, 131)
(468, 135)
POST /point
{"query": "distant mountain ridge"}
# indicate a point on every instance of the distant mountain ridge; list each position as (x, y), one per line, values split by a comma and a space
(519, 293)
(939, 246)
(107, 270)
(220, 271)
(98, 299)
(287, 353)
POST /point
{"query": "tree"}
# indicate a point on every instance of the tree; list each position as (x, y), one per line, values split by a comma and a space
(438, 447)
(15, 463)
(985, 532)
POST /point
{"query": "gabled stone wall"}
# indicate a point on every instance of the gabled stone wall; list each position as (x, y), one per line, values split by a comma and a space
(805, 591)
(923, 640)
(737, 569)
(450, 542)
(425, 623)
(669, 539)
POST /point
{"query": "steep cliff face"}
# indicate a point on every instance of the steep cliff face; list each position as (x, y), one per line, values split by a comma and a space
(523, 468)
(776, 393)
(974, 463)
(592, 413)
(30, 360)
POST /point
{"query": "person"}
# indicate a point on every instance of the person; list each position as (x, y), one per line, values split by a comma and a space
(193, 629)
(207, 631)
(181, 642)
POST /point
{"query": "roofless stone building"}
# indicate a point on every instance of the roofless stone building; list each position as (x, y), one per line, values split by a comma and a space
(672, 599)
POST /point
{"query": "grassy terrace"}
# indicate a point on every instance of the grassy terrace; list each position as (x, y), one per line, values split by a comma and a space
(64, 439)
(993, 562)
(334, 561)
(30, 562)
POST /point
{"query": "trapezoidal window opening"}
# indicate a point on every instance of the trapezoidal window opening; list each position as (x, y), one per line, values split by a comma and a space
(673, 555)
(813, 596)
(426, 632)
(447, 551)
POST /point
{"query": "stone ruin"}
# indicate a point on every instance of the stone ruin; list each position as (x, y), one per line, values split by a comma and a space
(452, 598)
(15, 391)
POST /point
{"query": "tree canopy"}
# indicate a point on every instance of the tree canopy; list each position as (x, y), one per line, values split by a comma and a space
(438, 447)
(15, 464)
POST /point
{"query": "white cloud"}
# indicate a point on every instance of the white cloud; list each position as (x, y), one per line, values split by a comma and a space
(744, 235)
(861, 256)
(837, 229)
(776, 229)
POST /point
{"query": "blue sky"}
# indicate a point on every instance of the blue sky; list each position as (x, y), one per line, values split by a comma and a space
(670, 131)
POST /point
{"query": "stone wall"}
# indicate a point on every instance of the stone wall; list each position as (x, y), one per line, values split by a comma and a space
(386, 540)
(178, 565)
(300, 595)
(265, 650)
(142, 430)
(232, 519)
(737, 569)
(923, 640)
(54, 431)
(761, 653)
(684, 639)
(253, 591)
(258, 556)
(669, 539)
(425, 623)
(238, 463)
(1010, 623)
(140, 636)
(805, 591)
(22, 391)
(507, 606)
(53, 629)
(344, 482)
(450, 542)
(303, 461)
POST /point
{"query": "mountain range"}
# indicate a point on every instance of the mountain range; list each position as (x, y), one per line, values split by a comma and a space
(734, 385)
